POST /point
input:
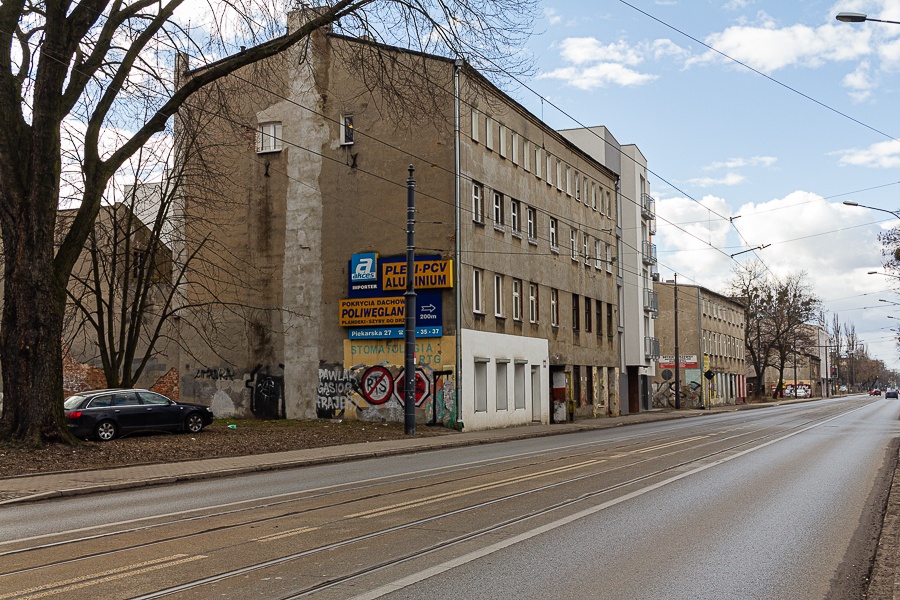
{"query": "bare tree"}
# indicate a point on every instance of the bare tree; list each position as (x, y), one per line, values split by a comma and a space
(750, 283)
(93, 80)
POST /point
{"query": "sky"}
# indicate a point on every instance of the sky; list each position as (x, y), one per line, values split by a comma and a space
(758, 118)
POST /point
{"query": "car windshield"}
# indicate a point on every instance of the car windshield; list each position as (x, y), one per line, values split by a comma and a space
(73, 401)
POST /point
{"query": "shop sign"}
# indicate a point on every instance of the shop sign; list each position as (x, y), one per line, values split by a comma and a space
(367, 312)
(429, 274)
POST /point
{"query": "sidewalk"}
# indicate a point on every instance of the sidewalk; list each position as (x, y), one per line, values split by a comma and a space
(884, 583)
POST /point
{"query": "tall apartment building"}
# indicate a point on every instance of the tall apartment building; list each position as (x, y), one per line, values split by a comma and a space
(710, 347)
(515, 235)
(635, 258)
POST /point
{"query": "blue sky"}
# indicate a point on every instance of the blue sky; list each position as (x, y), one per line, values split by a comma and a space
(743, 158)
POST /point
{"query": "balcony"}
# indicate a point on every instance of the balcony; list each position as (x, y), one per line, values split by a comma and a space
(651, 301)
(648, 206)
(648, 251)
(651, 347)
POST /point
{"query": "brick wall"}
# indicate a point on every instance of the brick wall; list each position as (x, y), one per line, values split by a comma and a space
(78, 377)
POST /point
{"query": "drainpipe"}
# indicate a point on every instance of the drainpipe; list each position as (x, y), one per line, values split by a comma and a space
(456, 272)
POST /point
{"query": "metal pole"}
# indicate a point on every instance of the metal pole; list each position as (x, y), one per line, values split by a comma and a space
(677, 357)
(409, 363)
(795, 368)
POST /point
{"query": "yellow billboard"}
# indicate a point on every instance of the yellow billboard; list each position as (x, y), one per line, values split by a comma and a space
(366, 312)
(429, 274)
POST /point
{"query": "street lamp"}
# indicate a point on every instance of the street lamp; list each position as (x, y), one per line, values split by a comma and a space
(852, 203)
(885, 274)
(851, 17)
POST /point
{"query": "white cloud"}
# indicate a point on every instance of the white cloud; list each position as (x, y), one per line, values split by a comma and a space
(883, 155)
(593, 64)
(728, 179)
(735, 163)
(552, 16)
(768, 48)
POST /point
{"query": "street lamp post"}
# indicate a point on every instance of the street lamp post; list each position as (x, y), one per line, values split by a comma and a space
(852, 17)
(890, 212)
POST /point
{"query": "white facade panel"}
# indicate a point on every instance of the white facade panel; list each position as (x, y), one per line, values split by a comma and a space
(482, 352)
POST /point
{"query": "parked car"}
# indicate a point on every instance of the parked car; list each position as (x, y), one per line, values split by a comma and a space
(891, 393)
(802, 392)
(107, 414)
(875, 392)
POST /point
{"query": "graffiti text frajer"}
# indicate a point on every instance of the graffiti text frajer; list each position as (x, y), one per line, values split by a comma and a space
(221, 373)
(336, 387)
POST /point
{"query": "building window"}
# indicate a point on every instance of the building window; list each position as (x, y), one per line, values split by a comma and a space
(573, 241)
(478, 291)
(559, 175)
(502, 386)
(584, 249)
(598, 313)
(554, 307)
(514, 220)
(346, 130)
(577, 186)
(480, 385)
(549, 172)
(526, 155)
(498, 295)
(609, 320)
(568, 181)
(587, 314)
(515, 148)
(609, 204)
(609, 258)
(519, 385)
(475, 125)
(594, 196)
(537, 162)
(503, 149)
(268, 137)
(554, 240)
(532, 223)
(517, 299)
(498, 209)
(576, 312)
(477, 202)
(533, 302)
(598, 260)
(489, 133)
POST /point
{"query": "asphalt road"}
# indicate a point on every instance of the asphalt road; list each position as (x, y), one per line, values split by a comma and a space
(753, 504)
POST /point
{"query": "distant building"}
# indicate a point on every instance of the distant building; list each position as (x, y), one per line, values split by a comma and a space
(710, 347)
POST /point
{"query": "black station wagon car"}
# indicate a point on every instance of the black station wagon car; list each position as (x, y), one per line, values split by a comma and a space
(107, 414)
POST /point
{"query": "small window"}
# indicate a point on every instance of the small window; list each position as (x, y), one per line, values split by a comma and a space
(576, 312)
(526, 155)
(489, 133)
(503, 136)
(598, 261)
(584, 249)
(554, 307)
(587, 314)
(475, 119)
(498, 209)
(532, 223)
(477, 202)
(598, 312)
(498, 295)
(268, 137)
(537, 162)
(533, 302)
(594, 196)
(346, 130)
(514, 219)
(477, 291)
(502, 386)
(554, 240)
(517, 299)
(573, 242)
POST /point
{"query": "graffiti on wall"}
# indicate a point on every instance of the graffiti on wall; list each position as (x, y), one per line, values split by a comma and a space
(266, 393)
(335, 392)
(220, 373)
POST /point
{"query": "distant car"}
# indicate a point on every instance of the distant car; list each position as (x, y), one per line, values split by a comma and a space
(843, 388)
(107, 414)
(875, 392)
(891, 393)
(802, 392)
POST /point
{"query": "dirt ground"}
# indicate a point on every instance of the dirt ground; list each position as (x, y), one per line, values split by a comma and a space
(216, 440)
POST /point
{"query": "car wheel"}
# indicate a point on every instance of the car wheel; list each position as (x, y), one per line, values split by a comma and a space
(193, 423)
(105, 431)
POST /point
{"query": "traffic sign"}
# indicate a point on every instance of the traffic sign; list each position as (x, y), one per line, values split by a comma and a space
(423, 386)
(377, 385)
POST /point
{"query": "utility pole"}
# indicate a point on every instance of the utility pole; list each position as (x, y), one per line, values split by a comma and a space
(677, 357)
(409, 362)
